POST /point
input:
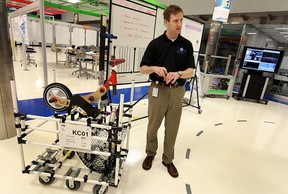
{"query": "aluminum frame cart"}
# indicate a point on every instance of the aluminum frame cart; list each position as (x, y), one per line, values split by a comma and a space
(217, 84)
(100, 142)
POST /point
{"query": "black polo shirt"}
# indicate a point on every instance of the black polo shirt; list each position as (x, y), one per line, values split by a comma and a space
(174, 55)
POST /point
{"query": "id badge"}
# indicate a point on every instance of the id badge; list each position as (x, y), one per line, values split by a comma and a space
(155, 92)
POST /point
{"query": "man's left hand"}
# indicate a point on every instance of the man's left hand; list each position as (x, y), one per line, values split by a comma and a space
(171, 77)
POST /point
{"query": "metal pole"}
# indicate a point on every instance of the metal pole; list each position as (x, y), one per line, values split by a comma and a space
(130, 112)
(243, 34)
(43, 40)
(17, 121)
(85, 36)
(102, 49)
(54, 44)
(71, 34)
(237, 60)
(7, 121)
(12, 39)
(54, 76)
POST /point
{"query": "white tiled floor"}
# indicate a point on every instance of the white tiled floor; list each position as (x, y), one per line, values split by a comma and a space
(242, 149)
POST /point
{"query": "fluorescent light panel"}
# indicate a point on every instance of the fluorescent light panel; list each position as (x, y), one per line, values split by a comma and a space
(73, 1)
(251, 33)
(281, 28)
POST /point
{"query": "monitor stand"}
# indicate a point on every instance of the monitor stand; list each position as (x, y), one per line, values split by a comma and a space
(253, 87)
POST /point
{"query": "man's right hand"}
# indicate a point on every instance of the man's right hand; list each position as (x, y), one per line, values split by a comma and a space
(161, 71)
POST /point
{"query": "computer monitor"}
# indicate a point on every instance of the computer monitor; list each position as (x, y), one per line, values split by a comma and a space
(258, 60)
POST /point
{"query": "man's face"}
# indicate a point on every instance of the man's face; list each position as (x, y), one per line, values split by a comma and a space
(175, 23)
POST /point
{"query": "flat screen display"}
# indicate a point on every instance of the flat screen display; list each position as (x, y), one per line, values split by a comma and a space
(261, 59)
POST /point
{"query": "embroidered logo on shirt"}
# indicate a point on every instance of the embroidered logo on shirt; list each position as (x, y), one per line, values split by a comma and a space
(181, 50)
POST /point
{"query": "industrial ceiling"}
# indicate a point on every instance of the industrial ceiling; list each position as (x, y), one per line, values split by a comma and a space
(274, 24)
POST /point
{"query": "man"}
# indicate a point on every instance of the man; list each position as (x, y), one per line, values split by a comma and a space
(168, 60)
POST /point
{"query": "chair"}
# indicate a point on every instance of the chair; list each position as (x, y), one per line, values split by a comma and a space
(72, 59)
(29, 57)
(94, 49)
(275, 85)
(81, 58)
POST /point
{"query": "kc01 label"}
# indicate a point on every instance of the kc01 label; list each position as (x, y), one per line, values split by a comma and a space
(75, 136)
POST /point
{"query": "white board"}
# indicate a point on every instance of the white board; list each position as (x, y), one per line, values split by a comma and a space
(48, 33)
(160, 24)
(132, 23)
(35, 28)
(62, 33)
(192, 30)
(91, 37)
(78, 37)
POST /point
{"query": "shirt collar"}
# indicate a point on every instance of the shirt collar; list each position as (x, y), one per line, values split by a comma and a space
(167, 39)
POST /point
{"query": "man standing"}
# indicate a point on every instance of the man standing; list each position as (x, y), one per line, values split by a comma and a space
(168, 60)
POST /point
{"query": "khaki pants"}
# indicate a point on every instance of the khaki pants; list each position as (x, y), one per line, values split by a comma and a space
(168, 104)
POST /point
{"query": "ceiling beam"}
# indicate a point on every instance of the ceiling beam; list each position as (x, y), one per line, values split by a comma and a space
(27, 9)
(244, 17)
(72, 9)
(13, 6)
(270, 16)
(156, 3)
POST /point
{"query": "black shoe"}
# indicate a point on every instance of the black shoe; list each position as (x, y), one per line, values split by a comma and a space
(172, 170)
(147, 163)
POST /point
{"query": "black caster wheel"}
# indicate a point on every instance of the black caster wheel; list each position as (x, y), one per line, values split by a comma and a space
(199, 111)
(70, 156)
(76, 185)
(53, 160)
(46, 180)
(99, 189)
(227, 97)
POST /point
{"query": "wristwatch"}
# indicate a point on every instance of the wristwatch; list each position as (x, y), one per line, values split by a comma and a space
(180, 73)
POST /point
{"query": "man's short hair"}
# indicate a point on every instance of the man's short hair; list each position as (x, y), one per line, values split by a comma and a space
(172, 9)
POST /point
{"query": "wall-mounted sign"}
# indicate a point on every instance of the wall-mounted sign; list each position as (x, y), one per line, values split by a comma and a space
(221, 10)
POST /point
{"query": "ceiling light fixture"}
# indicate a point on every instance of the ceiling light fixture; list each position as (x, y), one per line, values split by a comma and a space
(73, 1)
(283, 32)
(252, 33)
(281, 28)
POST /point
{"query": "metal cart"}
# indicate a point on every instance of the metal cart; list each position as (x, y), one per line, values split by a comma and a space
(217, 84)
(100, 143)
